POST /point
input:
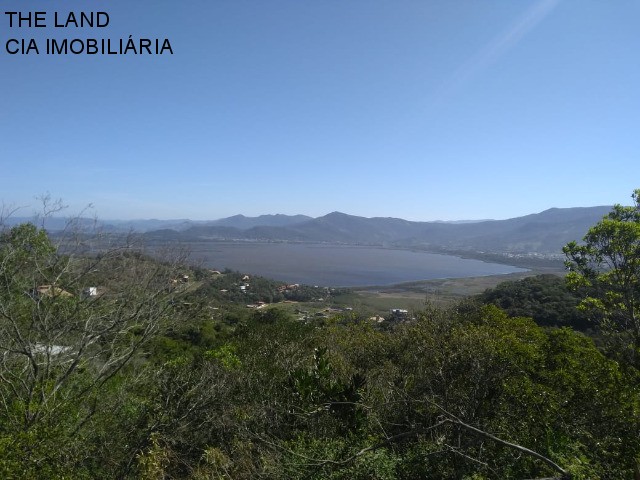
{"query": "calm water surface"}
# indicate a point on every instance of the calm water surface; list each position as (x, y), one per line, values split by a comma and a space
(339, 265)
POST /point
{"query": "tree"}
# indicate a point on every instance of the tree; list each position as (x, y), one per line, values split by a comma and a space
(545, 298)
(607, 265)
(61, 342)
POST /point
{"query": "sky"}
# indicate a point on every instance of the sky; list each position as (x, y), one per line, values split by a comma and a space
(424, 110)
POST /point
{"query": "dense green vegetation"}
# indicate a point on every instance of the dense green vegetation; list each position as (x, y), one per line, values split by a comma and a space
(159, 374)
(545, 298)
(607, 266)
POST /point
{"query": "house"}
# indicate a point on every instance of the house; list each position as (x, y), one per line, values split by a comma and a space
(49, 291)
(90, 292)
(49, 350)
(399, 314)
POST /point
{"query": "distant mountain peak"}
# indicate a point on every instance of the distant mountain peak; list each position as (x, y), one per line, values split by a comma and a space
(271, 220)
(336, 213)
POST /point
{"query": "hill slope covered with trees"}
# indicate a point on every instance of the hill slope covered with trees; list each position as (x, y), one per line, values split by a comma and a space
(113, 365)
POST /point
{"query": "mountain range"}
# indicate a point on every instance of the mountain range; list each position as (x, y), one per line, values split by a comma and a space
(543, 233)
(540, 233)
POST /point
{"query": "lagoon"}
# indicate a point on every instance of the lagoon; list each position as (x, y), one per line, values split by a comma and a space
(338, 265)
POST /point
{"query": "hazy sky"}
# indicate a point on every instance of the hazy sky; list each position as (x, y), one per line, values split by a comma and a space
(423, 110)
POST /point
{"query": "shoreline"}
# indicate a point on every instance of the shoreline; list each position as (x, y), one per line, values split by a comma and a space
(442, 291)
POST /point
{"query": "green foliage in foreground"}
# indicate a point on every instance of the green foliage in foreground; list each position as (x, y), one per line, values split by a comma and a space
(456, 393)
(286, 400)
(607, 267)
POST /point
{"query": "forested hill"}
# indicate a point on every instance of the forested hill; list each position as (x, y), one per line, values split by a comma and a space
(117, 364)
(545, 232)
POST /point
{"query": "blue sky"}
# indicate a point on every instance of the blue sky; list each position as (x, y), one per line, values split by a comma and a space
(423, 110)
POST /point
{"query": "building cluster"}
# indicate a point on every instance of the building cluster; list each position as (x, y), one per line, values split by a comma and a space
(288, 288)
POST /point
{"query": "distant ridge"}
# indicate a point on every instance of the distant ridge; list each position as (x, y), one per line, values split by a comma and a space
(545, 232)
(277, 220)
(148, 225)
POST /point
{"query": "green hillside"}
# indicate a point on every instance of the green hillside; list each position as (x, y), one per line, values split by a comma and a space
(117, 364)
